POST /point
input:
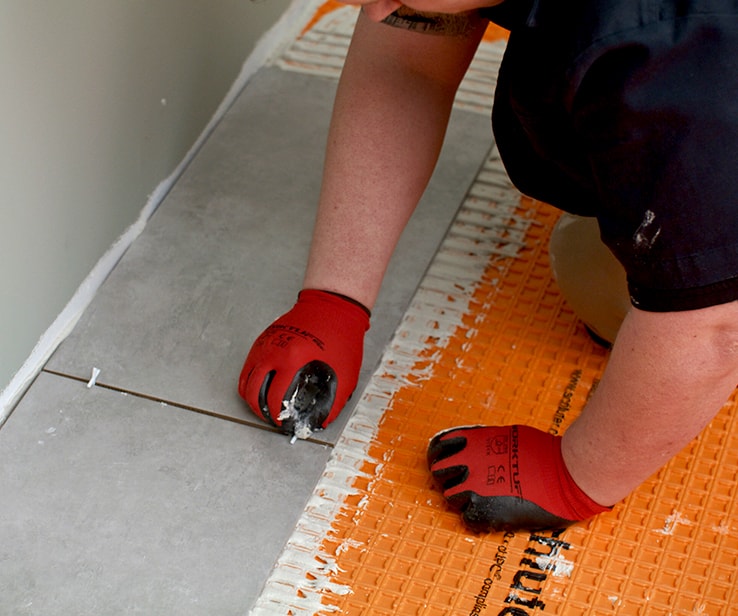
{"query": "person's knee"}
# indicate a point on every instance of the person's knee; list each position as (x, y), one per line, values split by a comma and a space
(588, 275)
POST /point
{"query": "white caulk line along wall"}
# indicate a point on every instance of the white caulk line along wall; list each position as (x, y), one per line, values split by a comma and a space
(481, 233)
(266, 42)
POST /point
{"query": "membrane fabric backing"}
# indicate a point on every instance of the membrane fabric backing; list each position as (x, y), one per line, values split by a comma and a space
(489, 339)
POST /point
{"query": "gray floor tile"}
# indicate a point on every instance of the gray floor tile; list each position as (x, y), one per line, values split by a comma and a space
(116, 505)
(224, 254)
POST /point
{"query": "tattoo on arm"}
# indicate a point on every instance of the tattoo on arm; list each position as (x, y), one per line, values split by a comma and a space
(434, 23)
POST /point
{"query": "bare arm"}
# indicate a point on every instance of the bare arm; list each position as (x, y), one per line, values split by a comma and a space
(388, 125)
(669, 374)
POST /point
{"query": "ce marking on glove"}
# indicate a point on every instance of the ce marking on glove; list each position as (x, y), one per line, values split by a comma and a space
(283, 334)
(496, 446)
(496, 474)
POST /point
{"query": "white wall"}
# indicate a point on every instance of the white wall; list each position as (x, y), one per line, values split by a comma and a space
(100, 101)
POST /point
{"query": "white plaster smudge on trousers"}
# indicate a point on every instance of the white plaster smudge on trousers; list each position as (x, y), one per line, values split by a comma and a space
(646, 234)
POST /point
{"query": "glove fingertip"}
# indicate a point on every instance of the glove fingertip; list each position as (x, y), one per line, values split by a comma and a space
(443, 446)
(263, 399)
(311, 397)
(254, 391)
(449, 477)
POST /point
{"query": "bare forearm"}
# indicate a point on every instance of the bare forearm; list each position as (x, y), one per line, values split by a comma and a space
(668, 375)
(386, 133)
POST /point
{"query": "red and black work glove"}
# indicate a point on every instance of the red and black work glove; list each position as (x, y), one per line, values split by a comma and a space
(303, 368)
(507, 478)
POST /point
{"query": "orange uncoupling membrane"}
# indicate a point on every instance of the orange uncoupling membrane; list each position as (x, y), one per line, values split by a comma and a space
(488, 339)
(320, 12)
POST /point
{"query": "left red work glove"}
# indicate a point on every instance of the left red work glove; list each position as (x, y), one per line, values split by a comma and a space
(304, 367)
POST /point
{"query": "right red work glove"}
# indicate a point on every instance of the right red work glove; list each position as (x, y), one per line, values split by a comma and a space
(507, 478)
(304, 367)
